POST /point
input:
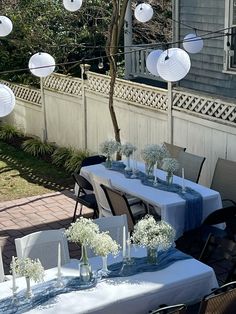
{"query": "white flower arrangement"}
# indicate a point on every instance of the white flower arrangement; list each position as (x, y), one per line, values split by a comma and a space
(102, 244)
(82, 231)
(150, 153)
(170, 165)
(109, 147)
(153, 234)
(127, 149)
(29, 268)
(162, 153)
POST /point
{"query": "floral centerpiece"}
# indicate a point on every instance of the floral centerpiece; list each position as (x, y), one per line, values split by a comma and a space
(170, 165)
(102, 245)
(30, 269)
(162, 153)
(149, 155)
(83, 232)
(154, 235)
(127, 149)
(108, 148)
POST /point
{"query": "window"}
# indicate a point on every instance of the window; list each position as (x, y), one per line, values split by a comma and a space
(230, 41)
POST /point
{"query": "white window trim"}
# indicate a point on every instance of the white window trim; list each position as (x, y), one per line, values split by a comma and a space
(227, 52)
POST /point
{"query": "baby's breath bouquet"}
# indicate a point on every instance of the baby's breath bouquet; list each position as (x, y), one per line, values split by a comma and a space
(103, 244)
(82, 231)
(170, 165)
(127, 149)
(108, 148)
(153, 234)
(29, 268)
(149, 155)
(162, 153)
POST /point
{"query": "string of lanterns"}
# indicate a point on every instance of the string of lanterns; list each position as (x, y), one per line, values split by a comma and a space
(172, 65)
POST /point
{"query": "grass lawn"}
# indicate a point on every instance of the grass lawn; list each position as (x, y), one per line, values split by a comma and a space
(22, 175)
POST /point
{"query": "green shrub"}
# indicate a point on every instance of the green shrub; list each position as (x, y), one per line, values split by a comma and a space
(8, 132)
(73, 163)
(37, 148)
(61, 155)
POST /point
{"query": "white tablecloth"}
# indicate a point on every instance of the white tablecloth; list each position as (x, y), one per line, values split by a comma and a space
(184, 281)
(172, 206)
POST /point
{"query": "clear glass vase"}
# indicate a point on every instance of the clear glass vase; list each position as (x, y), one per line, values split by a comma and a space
(151, 255)
(108, 162)
(84, 266)
(128, 168)
(28, 293)
(149, 170)
(169, 178)
(104, 271)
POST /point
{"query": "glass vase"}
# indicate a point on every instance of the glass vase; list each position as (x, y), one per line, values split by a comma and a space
(169, 178)
(151, 255)
(149, 170)
(108, 163)
(104, 272)
(28, 293)
(84, 266)
(128, 168)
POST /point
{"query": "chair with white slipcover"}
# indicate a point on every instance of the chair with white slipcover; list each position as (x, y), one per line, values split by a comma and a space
(44, 246)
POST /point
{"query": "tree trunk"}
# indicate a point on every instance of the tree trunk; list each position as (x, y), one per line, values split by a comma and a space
(114, 32)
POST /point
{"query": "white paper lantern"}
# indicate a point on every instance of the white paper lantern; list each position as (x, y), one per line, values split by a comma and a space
(7, 100)
(41, 64)
(72, 5)
(173, 64)
(5, 26)
(151, 61)
(192, 43)
(143, 12)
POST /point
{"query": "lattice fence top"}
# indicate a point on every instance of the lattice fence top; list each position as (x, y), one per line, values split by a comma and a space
(64, 84)
(25, 93)
(214, 108)
(135, 93)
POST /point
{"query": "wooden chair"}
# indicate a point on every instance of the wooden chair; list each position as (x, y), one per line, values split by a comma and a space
(119, 206)
(220, 301)
(220, 254)
(84, 197)
(224, 181)
(192, 165)
(171, 309)
(174, 150)
(44, 245)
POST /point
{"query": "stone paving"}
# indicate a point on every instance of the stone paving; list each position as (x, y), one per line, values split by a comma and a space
(42, 212)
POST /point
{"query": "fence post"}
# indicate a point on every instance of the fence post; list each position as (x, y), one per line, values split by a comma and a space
(84, 69)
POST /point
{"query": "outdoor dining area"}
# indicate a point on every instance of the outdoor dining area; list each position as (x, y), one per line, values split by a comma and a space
(158, 241)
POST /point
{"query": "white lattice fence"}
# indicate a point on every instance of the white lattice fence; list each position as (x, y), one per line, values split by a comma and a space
(132, 92)
(210, 107)
(25, 93)
(64, 84)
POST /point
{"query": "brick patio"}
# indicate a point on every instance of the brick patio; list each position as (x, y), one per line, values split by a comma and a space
(27, 215)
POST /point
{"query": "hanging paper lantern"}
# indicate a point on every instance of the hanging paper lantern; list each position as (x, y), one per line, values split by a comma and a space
(173, 64)
(192, 43)
(72, 5)
(143, 12)
(5, 26)
(41, 64)
(7, 100)
(151, 61)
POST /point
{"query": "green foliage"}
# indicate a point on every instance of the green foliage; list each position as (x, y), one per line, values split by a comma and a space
(61, 155)
(36, 147)
(42, 25)
(73, 163)
(9, 132)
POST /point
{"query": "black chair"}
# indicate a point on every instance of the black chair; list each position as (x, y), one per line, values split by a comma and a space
(220, 254)
(92, 160)
(84, 198)
(119, 205)
(171, 309)
(193, 241)
(221, 301)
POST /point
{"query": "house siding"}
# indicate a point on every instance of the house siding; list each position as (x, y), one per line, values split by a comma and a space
(206, 73)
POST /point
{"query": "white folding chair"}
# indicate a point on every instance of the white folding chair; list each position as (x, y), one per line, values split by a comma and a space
(44, 246)
(114, 225)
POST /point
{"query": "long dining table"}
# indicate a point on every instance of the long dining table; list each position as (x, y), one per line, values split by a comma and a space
(170, 205)
(184, 281)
